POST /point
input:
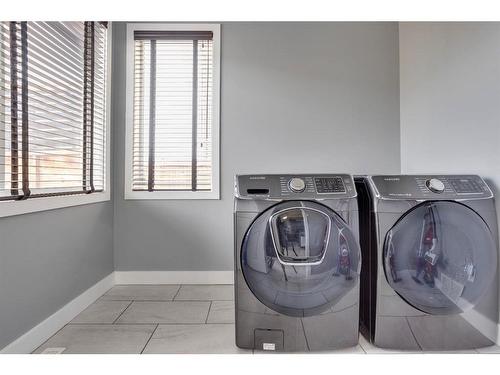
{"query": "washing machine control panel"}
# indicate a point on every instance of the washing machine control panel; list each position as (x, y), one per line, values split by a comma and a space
(303, 186)
(431, 187)
(325, 185)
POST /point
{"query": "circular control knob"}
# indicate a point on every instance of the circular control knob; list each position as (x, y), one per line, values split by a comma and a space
(297, 184)
(435, 185)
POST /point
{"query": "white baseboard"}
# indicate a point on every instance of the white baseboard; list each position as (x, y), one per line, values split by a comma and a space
(174, 277)
(43, 331)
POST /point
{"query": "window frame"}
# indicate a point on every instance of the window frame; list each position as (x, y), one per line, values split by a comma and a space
(129, 193)
(37, 204)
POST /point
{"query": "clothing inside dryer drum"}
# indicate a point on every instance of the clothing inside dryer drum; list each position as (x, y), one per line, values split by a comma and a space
(299, 258)
(440, 257)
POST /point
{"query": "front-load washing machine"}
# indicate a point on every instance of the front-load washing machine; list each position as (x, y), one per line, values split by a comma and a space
(297, 262)
(429, 277)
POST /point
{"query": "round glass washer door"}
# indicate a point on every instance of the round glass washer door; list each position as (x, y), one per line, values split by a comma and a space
(440, 257)
(299, 258)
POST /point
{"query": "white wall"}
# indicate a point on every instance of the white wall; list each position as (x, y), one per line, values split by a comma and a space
(296, 97)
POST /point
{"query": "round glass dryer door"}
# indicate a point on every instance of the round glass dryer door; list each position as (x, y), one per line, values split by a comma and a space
(440, 257)
(299, 258)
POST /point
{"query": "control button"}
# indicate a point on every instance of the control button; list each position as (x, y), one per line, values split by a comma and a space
(325, 185)
(466, 186)
(297, 185)
(435, 185)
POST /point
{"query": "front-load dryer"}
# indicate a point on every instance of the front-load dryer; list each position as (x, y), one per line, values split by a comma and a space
(429, 277)
(297, 262)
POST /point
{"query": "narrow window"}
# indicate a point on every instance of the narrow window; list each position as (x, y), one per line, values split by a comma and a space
(174, 119)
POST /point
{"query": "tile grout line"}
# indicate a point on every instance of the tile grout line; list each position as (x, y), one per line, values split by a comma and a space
(150, 337)
(178, 290)
(208, 313)
(369, 344)
(67, 324)
(43, 343)
(413, 334)
(126, 308)
(366, 347)
(363, 349)
(305, 336)
(359, 343)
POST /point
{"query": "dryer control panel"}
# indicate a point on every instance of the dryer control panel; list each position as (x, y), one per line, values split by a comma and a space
(431, 187)
(296, 186)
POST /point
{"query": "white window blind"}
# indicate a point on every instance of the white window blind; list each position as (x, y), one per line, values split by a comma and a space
(173, 114)
(52, 108)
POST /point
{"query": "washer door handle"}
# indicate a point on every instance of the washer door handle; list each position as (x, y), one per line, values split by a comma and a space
(298, 261)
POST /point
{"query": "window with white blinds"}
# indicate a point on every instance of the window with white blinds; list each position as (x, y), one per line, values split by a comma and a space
(174, 119)
(52, 108)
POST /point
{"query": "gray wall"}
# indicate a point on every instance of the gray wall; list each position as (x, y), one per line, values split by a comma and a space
(295, 98)
(450, 95)
(49, 258)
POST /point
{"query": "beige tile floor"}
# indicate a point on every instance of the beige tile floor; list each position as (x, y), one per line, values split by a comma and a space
(164, 319)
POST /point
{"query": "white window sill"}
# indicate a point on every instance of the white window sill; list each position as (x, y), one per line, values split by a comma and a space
(169, 195)
(12, 208)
